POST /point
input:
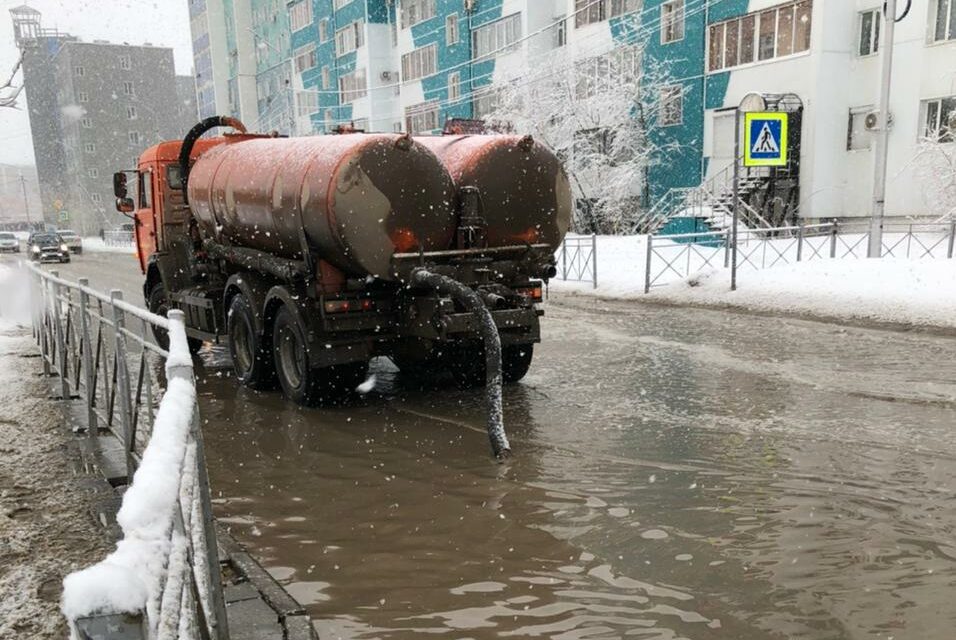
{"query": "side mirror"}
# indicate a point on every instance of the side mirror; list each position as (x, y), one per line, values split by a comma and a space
(119, 186)
(125, 205)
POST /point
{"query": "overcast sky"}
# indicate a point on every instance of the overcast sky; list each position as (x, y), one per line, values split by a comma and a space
(160, 22)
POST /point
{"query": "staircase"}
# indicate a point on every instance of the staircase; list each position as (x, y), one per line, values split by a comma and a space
(713, 201)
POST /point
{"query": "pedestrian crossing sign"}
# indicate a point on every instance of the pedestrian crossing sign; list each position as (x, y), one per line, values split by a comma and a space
(765, 139)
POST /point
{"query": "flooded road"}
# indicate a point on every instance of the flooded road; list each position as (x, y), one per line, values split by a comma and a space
(678, 473)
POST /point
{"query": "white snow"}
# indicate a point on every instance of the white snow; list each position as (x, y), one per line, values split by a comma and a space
(132, 577)
(95, 244)
(14, 298)
(892, 290)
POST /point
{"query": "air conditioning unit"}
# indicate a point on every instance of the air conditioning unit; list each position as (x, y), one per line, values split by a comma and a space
(470, 5)
(871, 122)
(386, 76)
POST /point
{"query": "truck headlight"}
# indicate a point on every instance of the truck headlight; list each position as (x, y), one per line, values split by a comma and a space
(35, 248)
(64, 248)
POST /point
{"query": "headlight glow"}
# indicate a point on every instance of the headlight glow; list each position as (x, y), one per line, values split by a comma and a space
(63, 247)
(36, 248)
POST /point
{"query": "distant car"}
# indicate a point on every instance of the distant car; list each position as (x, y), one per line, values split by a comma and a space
(46, 246)
(72, 239)
(9, 242)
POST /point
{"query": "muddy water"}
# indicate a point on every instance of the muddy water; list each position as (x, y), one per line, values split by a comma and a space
(678, 473)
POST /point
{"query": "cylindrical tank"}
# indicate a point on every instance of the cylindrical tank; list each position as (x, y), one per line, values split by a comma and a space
(525, 192)
(356, 199)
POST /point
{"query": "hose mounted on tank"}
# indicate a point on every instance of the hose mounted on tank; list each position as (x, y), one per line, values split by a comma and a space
(190, 140)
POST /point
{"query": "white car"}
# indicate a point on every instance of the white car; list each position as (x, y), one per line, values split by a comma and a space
(72, 240)
(9, 242)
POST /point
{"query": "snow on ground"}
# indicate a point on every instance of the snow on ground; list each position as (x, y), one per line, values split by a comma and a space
(14, 298)
(892, 290)
(97, 245)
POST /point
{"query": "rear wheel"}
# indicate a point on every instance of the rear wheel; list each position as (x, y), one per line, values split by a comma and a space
(159, 304)
(515, 361)
(466, 362)
(251, 352)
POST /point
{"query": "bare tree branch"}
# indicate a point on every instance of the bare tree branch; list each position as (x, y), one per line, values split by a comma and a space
(8, 92)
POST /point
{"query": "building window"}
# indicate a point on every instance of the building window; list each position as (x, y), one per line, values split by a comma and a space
(128, 88)
(325, 78)
(84, 97)
(945, 20)
(349, 38)
(603, 74)
(591, 11)
(79, 71)
(324, 30)
(454, 86)
(672, 21)
(93, 173)
(133, 137)
(89, 147)
(421, 118)
(300, 15)
(561, 33)
(419, 63)
(307, 103)
(87, 123)
(352, 86)
(329, 119)
(485, 102)
(305, 58)
(451, 29)
(671, 105)
(131, 112)
(774, 33)
(857, 137)
(125, 63)
(96, 198)
(496, 36)
(939, 119)
(869, 32)
(415, 11)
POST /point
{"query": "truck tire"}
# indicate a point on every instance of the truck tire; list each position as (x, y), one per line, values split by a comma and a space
(466, 363)
(515, 362)
(159, 305)
(251, 353)
(300, 382)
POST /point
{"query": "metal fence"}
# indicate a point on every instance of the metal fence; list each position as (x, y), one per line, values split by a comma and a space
(118, 238)
(577, 259)
(100, 350)
(675, 257)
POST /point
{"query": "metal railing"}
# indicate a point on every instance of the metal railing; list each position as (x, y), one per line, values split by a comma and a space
(99, 348)
(674, 257)
(577, 259)
(118, 238)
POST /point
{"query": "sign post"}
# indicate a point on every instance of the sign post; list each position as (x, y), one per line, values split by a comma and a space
(765, 145)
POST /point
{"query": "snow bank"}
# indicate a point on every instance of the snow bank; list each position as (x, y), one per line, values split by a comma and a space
(131, 578)
(97, 245)
(14, 298)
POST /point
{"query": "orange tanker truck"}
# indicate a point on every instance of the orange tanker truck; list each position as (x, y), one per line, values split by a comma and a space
(309, 256)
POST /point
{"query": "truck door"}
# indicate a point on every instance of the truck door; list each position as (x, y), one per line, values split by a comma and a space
(145, 219)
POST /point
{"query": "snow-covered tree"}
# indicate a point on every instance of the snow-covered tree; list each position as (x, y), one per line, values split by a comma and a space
(597, 114)
(936, 164)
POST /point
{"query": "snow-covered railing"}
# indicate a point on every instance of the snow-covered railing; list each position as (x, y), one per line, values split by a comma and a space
(577, 259)
(674, 257)
(118, 238)
(163, 580)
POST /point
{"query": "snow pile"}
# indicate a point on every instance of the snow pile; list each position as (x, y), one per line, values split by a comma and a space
(131, 578)
(97, 245)
(919, 292)
(14, 298)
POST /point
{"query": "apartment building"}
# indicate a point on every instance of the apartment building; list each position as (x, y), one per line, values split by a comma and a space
(410, 65)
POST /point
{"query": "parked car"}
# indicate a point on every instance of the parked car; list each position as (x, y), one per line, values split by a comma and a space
(9, 242)
(47, 246)
(72, 239)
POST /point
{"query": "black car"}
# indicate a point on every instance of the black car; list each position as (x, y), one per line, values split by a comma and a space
(48, 247)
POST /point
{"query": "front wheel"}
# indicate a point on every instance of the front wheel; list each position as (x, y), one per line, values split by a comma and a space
(159, 304)
(251, 353)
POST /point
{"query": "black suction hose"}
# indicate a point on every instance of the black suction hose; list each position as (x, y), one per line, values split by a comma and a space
(489, 333)
(190, 140)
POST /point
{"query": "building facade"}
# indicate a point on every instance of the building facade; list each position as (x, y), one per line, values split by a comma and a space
(94, 107)
(410, 65)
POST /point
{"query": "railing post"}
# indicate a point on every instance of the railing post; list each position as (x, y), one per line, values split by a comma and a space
(952, 236)
(726, 249)
(909, 241)
(86, 355)
(647, 265)
(564, 259)
(800, 242)
(44, 325)
(60, 348)
(833, 238)
(122, 380)
(594, 259)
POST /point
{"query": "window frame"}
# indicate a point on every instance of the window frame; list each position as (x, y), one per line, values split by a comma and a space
(454, 81)
(948, 23)
(504, 27)
(451, 27)
(938, 134)
(357, 28)
(300, 14)
(677, 94)
(672, 23)
(716, 45)
(419, 14)
(350, 95)
(874, 32)
(414, 65)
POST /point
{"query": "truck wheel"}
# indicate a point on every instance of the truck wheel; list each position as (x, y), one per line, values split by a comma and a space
(466, 362)
(159, 305)
(251, 353)
(515, 361)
